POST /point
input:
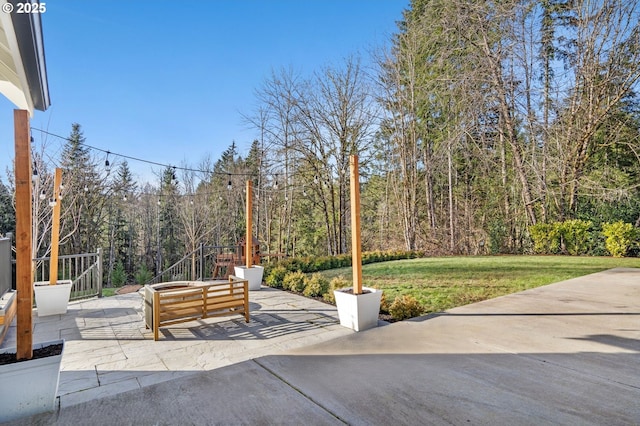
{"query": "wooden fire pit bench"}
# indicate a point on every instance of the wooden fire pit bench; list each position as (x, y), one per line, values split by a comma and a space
(180, 301)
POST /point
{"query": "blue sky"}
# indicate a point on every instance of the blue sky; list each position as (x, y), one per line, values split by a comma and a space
(167, 81)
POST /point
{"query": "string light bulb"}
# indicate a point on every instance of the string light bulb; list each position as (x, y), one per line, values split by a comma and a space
(229, 186)
(52, 202)
(43, 195)
(107, 165)
(34, 173)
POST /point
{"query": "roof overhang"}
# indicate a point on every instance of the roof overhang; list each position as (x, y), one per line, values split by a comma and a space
(23, 70)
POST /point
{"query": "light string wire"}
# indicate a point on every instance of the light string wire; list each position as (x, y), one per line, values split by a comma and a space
(289, 188)
(142, 160)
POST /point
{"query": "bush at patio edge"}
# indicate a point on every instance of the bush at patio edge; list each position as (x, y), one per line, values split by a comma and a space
(317, 285)
(404, 307)
(335, 284)
(275, 277)
(295, 281)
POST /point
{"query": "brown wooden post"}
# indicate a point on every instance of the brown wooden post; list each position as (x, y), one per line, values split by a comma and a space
(248, 244)
(356, 249)
(55, 230)
(24, 270)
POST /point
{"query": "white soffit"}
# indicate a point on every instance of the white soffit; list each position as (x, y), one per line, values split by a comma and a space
(13, 78)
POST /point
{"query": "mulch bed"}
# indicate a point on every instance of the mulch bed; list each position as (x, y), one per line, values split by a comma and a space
(128, 289)
(51, 350)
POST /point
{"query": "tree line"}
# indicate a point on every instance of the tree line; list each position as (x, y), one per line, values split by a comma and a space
(477, 121)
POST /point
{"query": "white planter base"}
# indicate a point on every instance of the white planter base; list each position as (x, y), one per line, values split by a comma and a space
(29, 387)
(358, 312)
(253, 275)
(52, 299)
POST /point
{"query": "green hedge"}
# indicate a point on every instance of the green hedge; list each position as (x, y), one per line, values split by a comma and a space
(324, 263)
(581, 237)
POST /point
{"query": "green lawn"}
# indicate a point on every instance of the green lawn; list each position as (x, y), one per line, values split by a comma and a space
(445, 282)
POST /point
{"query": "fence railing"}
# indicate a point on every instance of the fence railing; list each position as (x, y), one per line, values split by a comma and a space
(84, 270)
(202, 263)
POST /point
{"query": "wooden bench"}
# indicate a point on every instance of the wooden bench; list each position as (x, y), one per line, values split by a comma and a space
(181, 301)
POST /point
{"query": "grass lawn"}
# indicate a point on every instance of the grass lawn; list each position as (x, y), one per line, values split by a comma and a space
(108, 291)
(445, 282)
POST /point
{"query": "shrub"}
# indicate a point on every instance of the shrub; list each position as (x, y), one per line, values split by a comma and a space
(404, 307)
(384, 304)
(576, 236)
(546, 238)
(317, 285)
(295, 281)
(336, 283)
(620, 237)
(118, 275)
(143, 275)
(276, 276)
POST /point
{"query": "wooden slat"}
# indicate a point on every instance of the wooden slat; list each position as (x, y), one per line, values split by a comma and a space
(356, 249)
(7, 318)
(24, 270)
(55, 229)
(173, 306)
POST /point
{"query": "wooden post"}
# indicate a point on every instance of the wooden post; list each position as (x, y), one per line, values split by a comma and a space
(55, 230)
(356, 249)
(24, 270)
(248, 244)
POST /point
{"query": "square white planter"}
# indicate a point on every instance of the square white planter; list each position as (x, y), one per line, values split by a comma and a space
(52, 299)
(253, 275)
(29, 387)
(358, 312)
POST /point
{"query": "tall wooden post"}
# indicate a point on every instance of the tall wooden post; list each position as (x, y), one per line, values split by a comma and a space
(248, 244)
(24, 271)
(356, 249)
(55, 230)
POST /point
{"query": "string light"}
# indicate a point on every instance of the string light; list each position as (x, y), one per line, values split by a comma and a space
(34, 173)
(141, 160)
(43, 195)
(173, 169)
(52, 202)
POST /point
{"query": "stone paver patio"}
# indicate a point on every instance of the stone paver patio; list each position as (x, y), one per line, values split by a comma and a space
(108, 349)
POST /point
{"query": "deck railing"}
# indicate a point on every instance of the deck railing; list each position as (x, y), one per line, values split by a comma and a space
(202, 263)
(84, 270)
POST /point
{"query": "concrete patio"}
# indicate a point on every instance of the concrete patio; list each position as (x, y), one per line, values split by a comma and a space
(108, 350)
(567, 353)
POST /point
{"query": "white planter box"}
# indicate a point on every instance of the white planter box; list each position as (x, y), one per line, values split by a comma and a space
(29, 387)
(358, 312)
(253, 275)
(52, 299)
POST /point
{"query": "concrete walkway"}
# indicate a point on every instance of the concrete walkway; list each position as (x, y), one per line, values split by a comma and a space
(567, 353)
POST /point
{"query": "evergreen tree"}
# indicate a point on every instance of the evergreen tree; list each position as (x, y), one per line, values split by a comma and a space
(84, 199)
(7, 211)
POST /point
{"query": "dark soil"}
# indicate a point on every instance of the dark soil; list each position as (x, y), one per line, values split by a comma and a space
(51, 350)
(350, 291)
